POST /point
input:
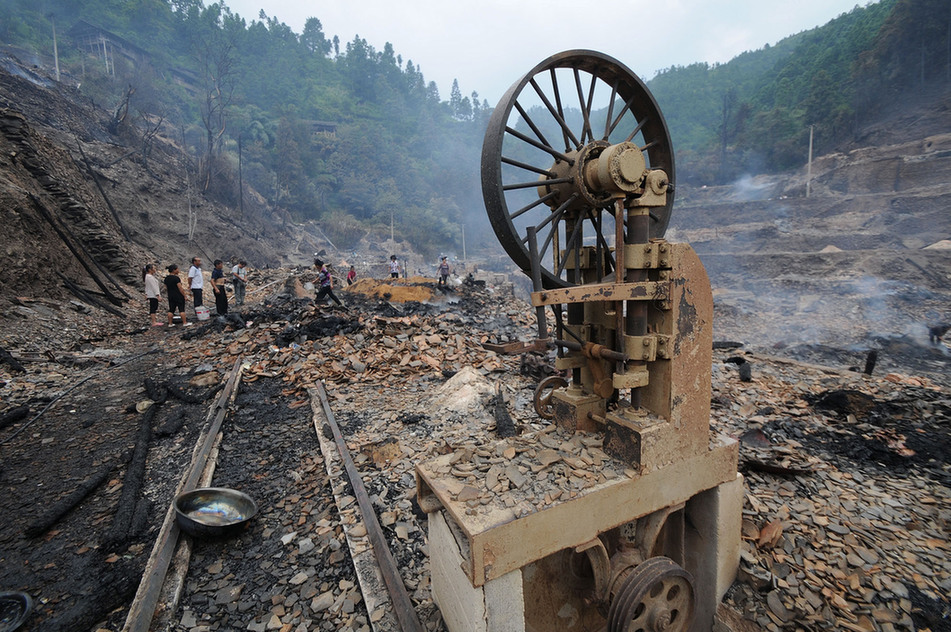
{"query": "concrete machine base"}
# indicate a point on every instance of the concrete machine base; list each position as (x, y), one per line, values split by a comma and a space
(493, 572)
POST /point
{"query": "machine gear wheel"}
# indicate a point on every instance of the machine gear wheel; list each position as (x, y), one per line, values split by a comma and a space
(658, 596)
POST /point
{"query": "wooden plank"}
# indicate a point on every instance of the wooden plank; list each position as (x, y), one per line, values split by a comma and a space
(402, 604)
(372, 586)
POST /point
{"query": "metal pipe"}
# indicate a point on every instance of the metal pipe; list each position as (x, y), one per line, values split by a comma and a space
(638, 232)
(601, 352)
(537, 282)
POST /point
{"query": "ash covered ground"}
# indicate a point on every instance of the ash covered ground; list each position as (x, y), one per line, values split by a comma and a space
(823, 281)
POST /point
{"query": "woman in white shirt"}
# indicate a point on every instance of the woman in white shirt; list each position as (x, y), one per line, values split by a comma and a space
(152, 293)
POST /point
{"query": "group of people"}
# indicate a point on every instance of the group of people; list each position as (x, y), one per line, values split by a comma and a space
(176, 293)
(175, 286)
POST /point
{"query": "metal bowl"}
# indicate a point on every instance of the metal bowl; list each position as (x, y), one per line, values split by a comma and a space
(15, 607)
(211, 512)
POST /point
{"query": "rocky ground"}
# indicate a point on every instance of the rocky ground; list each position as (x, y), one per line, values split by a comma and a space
(845, 520)
(847, 476)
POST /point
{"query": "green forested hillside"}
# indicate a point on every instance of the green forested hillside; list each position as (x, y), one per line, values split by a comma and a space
(324, 129)
(357, 138)
(753, 114)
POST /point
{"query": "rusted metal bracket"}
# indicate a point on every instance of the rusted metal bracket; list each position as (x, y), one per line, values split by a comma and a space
(638, 291)
(515, 348)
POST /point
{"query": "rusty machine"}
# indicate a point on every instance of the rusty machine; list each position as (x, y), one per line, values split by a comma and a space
(577, 173)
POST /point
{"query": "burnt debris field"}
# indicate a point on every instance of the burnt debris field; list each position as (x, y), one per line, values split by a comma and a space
(845, 523)
(823, 369)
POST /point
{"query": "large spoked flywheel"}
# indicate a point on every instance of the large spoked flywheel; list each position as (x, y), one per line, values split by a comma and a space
(570, 138)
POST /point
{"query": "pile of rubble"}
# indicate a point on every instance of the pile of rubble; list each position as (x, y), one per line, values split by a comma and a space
(846, 515)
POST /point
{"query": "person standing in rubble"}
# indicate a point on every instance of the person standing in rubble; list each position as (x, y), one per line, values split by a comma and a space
(394, 267)
(152, 292)
(176, 296)
(196, 281)
(324, 283)
(443, 271)
(239, 279)
(218, 286)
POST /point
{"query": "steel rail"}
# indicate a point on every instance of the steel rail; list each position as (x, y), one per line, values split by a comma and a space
(402, 605)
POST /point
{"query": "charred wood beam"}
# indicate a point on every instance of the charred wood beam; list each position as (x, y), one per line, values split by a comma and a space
(86, 296)
(62, 235)
(928, 273)
(13, 415)
(71, 389)
(10, 361)
(62, 507)
(110, 586)
(132, 483)
(504, 425)
(102, 192)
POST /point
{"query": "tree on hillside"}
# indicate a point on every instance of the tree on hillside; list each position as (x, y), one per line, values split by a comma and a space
(910, 55)
(313, 38)
(213, 43)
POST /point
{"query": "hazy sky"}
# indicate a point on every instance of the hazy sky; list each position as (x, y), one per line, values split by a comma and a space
(489, 44)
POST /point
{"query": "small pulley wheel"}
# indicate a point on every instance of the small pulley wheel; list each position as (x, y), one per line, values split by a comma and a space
(543, 393)
(657, 596)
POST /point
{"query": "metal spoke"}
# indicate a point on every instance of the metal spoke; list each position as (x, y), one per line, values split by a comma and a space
(561, 112)
(636, 130)
(536, 183)
(624, 110)
(529, 207)
(534, 143)
(607, 120)
(528, 121)
(602, 242)
(527, 167)
(554, 216)
(585, 113)
(554, 231)
(558, 117)
(568, 247)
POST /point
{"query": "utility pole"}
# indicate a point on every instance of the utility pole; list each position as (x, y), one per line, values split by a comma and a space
(240, 182)
(391, 226)
(464, 258)
(809, 165)
(55, 51)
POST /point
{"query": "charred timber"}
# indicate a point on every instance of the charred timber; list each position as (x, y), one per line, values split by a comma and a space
(133, 482)
(56, 513)
(13, 415)
(10, 361)
(83, 295)
(45, 213)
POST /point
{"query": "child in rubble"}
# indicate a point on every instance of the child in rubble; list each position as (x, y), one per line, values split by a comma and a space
(324, 283)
